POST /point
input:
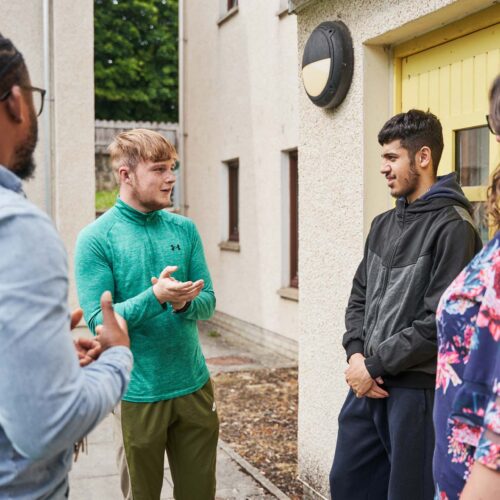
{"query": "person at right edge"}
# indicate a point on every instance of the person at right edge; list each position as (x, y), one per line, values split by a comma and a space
(467, 404)
(413, 252)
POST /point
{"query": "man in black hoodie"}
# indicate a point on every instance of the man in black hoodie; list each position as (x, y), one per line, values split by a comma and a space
(413, 252)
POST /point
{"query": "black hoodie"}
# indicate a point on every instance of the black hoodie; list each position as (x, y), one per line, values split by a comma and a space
(412, 254)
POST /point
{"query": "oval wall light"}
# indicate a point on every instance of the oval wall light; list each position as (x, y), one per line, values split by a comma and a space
(327, 64)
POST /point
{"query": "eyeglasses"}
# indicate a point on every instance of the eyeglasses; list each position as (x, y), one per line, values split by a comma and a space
(490, 125)
(38, 97)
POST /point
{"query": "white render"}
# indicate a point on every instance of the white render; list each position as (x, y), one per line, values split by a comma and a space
(68, 191)
(340, 192)
(241, 101)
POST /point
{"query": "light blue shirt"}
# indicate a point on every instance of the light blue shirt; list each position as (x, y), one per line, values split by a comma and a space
(47, 402)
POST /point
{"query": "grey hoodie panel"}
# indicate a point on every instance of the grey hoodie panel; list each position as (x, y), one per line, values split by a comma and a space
(398, 303)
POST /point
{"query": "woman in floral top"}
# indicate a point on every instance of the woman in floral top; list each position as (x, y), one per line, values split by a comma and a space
(467, 404)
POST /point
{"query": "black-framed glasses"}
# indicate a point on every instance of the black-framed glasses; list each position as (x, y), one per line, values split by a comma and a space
(38, 97)
(490, 126)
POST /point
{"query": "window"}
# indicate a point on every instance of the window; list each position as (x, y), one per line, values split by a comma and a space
(472, 166)
(289, 226)
(234, 232)
(294, 219)
(227, 9)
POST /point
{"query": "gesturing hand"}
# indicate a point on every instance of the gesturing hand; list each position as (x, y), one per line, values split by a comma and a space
(76, 317)
(84, 346)
(87, 350)
(113, 331)
(168, 289)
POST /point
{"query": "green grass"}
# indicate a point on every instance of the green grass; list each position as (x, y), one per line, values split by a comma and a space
(105, 199)
(213, 333)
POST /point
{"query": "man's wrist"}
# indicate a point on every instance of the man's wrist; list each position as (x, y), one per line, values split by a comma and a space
(354, 347)
(374, 366)
(157, 294)
(356, 356)
(185, 307)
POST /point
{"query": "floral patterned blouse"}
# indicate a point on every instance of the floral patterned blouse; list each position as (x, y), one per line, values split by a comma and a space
(467, 404)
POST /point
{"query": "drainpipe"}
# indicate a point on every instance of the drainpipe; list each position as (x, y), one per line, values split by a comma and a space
(182, 173)
(47, 115)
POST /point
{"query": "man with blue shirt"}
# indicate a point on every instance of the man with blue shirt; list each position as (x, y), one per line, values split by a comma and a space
(47, 400)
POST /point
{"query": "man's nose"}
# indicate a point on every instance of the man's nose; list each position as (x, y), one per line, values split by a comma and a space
(385, 168)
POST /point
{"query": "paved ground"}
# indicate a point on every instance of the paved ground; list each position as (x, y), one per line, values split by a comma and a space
(94, 476)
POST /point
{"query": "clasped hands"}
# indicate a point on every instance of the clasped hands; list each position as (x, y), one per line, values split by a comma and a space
(178, 293)
(360, 381)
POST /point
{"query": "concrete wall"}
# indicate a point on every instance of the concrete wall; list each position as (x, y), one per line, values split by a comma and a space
(241, 101)
(64, 183)
(341, 191)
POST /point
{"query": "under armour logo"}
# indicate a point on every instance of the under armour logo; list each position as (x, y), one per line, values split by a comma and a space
(173, 247)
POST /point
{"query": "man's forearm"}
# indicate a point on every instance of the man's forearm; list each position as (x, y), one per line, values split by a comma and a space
(135, 310)
(202, 307)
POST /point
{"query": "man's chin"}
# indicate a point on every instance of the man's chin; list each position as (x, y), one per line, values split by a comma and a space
(25, 170)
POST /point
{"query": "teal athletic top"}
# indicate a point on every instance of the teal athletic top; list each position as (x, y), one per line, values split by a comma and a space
(121, 251)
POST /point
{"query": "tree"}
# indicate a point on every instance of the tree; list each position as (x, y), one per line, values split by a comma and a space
(135, 59)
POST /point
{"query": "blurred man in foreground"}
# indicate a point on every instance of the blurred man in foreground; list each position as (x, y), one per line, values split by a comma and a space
(47, 401)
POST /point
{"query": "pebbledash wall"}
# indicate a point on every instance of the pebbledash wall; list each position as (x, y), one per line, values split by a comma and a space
(56, 39)
(241, 101)
(340, 192)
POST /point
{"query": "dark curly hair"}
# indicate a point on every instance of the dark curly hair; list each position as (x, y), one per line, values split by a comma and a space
(494, 187)
(13, 69)
(415, 129)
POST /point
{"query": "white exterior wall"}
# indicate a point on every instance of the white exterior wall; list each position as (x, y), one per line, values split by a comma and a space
(341, 191)
(69, 106)
(241, 101)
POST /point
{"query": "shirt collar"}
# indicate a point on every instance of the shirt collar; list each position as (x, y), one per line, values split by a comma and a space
(10, 180)
(131, 214)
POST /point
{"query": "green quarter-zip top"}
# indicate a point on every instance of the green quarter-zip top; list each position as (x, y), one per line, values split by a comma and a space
(121, 251)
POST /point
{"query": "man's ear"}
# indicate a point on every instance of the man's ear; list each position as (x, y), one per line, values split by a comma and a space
(124, 174)
(425, 156)
(14, 104)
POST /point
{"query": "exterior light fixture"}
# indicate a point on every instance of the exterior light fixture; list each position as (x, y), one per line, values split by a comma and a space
(327, 64)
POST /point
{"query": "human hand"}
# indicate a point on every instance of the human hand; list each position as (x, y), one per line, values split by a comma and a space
(357, 376)
(76, 317)
(87, 350)
(376, 392)
(113, 331)
(168, 289)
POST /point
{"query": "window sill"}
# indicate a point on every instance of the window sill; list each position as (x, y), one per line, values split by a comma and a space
(230, 246)
(289, 293)
(282, 12)
(228, 15)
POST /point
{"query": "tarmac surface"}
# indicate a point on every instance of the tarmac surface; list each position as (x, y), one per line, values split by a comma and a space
(95, 476)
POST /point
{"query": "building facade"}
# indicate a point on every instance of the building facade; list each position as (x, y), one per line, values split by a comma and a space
(440, 55)
(239, 120)
(57, 41)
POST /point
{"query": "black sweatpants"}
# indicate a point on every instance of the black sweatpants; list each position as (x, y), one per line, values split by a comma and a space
(385, 447)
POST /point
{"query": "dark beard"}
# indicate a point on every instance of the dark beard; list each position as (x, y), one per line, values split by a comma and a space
(24, 163)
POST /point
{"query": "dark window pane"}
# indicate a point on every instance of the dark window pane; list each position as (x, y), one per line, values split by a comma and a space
(234, 234)
(480, 219)
(472, 156)
(294, 221)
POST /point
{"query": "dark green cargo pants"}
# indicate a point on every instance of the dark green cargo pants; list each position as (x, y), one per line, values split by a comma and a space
(186, 427)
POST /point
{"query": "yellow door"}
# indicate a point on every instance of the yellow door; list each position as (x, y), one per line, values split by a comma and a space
(452, 81)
